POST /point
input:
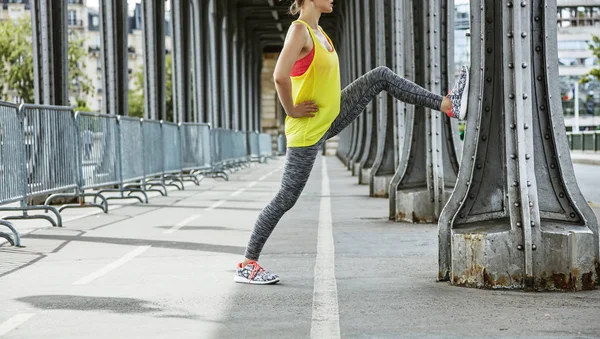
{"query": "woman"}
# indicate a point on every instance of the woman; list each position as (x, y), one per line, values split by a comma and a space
(307, 78)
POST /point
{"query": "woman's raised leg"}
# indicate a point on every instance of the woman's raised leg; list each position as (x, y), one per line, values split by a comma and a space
(357, 95)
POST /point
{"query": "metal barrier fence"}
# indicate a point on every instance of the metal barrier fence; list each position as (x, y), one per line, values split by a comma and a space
(584, 141)
(281, 144)
(50, 150)
(265, 146)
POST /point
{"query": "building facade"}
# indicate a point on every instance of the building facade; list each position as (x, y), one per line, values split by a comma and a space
(84, 21)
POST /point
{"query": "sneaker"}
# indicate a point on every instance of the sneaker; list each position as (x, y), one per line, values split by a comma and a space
(253, 273)
(459, 95)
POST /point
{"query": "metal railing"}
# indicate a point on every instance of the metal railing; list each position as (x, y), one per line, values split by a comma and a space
(53, 152)
(584, 141)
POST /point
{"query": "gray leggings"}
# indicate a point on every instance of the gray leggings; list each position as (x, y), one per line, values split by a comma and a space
(300, 160)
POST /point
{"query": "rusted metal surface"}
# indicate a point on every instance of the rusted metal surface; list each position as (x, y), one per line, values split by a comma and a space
(516, 191)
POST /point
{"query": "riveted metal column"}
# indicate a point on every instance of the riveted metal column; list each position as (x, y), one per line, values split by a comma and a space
(202, 106)
(182, 91)
(213, 37)
(384, 166)
(250, 87)
(259, 115)
(398, 55)
(375, 44)
(345, 137)
(361, 144)
(353, 129)
(244, 86)
(405, 65)
(50, 61)
(517, 218)
(225, 65)
(153, 19)
(235, 86)
(427, 171)
(368, 119)
(113, 32)
(256, 90)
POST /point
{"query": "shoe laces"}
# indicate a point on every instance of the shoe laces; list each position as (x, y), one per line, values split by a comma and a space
(257, 269)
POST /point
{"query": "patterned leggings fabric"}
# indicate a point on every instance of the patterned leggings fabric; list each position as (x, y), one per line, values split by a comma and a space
(300, 160)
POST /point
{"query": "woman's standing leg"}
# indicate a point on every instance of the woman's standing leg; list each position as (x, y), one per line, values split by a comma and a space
(298, 165)
(357, 95)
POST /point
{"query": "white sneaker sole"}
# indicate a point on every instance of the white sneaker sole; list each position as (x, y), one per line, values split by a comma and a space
(464, 100)
(243, 280)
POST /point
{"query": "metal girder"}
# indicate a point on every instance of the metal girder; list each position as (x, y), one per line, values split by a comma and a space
(214, 38)
(517, 218)
(235, 74)
(50, 52)
(427, 170)
(360, 124)
(225, 65)
(182, 63)
(153, 14)
(113, 32)
(199, 52)
(372, 57)
(384, 167)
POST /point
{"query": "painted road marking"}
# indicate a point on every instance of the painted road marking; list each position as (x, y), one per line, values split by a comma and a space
(127, 257)
(181, 224)
(325, 321)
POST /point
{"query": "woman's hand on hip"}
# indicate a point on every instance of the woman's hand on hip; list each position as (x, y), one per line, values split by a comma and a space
(304, 109)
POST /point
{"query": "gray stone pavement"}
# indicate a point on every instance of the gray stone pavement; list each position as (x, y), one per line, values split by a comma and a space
(164, 270)
(590, 158)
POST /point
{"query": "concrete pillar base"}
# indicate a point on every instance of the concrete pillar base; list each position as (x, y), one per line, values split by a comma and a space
(478, 261)
(380, 186)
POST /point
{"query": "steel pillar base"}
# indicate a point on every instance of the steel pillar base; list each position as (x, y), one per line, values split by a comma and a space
(477, 260)
(364, 175)
(353, 166)
(414, 206)
(380, 186)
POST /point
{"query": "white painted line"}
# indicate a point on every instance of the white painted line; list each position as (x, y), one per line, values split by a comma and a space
(325, 321)
(14, 322)
(108, 268)
(252, 184)
(176, 227)
(238, 192)
(264, 177)
(215, 205)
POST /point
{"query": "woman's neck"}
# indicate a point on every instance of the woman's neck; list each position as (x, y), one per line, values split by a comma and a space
(311, 17)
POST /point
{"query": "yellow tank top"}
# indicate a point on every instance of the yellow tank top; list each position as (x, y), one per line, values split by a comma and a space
(321, 84)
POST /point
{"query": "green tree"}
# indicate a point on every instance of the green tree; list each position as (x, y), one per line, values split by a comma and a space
(16, 62)
(136, 92)
(594, 73)
(16, 55)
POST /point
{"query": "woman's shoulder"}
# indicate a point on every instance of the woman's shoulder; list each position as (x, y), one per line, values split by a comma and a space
(298, 31)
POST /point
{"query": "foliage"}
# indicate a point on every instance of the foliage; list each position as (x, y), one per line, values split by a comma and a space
(16, 62)
(136, 91)
(594, 73)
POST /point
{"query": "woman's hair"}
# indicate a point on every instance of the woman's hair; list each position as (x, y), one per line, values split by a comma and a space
(296, 5)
